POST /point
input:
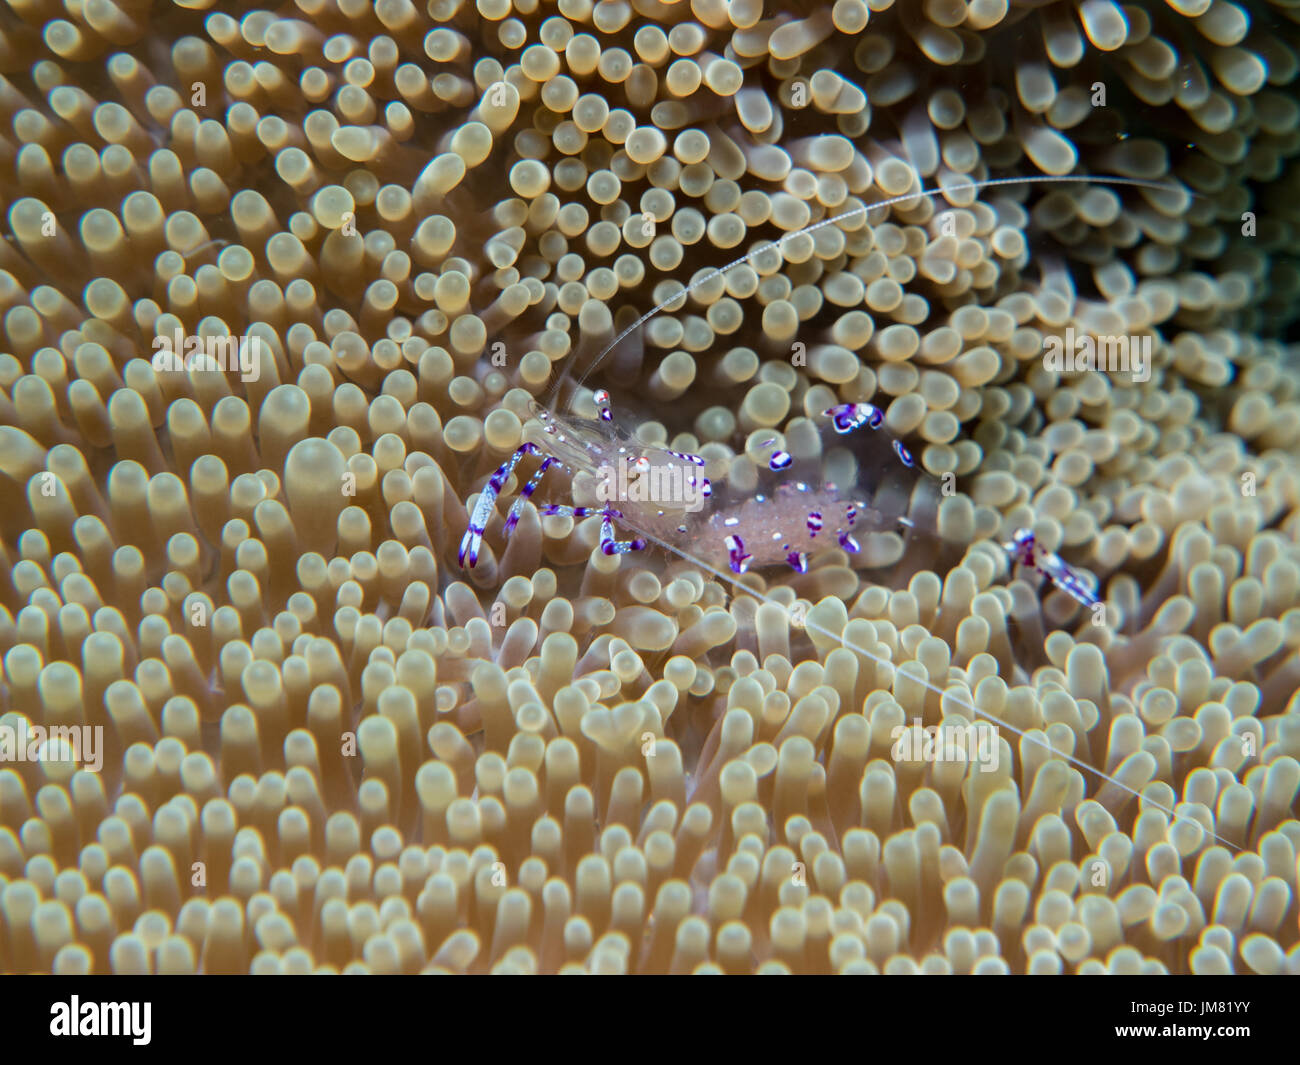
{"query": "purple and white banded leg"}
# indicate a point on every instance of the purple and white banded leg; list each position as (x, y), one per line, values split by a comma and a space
(608, 542)
(850, 416)
(472, 541)
(1024, 551)
(512, 519)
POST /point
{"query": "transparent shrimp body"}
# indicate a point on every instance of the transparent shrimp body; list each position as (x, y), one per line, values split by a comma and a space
(619, 477)
(837, 481)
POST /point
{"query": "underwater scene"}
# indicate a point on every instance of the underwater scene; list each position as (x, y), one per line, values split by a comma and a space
(640, 487)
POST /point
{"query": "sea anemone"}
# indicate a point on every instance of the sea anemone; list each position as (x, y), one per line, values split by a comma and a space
(254, 716)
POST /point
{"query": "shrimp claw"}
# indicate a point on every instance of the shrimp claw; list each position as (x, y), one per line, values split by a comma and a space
(1024, 551)
(472, 541)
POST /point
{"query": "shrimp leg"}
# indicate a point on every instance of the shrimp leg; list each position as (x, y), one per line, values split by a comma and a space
(608, 543)
(473, 538)
(512, 519)
(1024, 551)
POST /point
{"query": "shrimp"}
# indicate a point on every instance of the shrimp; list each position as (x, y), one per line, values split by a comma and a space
(786, 496)
(839, 481)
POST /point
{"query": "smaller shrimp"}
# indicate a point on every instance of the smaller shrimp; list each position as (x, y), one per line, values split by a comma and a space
(1024, 551)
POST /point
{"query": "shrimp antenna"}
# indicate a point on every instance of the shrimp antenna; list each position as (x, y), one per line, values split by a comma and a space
(766, 247)
(845, 641)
